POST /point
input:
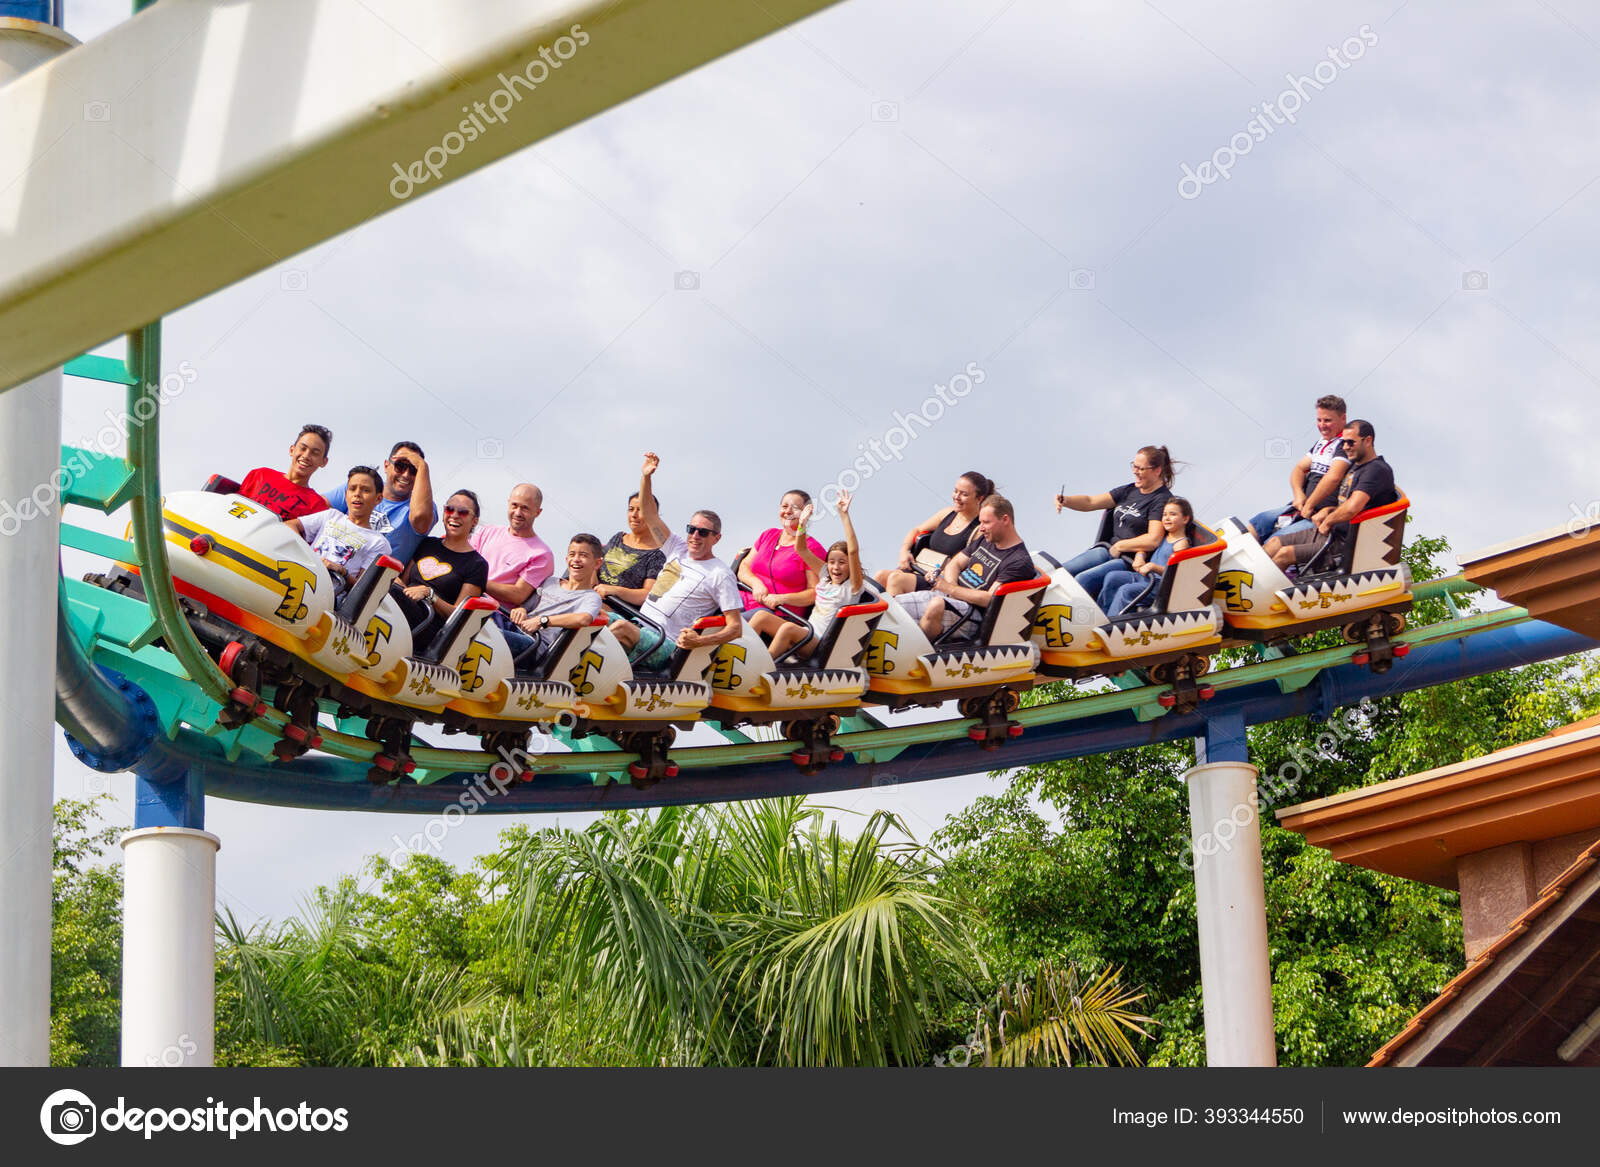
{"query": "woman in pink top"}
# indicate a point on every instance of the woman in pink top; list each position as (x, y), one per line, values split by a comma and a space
(774, 571)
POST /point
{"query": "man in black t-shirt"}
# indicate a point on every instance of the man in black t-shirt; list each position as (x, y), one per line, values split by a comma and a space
(970, 577)
(1368, 483)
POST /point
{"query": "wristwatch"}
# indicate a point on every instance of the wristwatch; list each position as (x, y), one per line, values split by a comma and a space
(544, 622)
(432, 595)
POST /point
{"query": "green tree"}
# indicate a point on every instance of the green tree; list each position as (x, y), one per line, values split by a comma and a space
(86, 939)
(1085, 861)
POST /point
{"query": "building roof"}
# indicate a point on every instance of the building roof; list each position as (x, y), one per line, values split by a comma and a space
(1524, 995)
(1419, 826)
(1555, 574)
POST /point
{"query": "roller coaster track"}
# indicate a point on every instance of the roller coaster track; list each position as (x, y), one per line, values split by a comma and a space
(143, 656)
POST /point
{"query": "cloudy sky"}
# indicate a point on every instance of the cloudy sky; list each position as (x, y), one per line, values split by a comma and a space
(755, 268)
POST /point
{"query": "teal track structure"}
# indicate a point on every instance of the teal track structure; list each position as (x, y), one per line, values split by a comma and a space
(135, 691)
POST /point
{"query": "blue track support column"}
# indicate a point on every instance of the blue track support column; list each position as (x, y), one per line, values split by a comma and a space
(169, 896)
(169, 800)
(1224, 739)
(1230, 898)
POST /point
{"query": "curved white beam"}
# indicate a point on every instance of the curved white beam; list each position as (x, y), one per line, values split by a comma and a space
(199, 142)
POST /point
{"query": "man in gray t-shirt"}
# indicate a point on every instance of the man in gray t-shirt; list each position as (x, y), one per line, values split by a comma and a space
(569, 602)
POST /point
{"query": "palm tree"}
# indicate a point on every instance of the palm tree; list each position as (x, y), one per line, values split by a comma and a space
(1053, 1019)
(750, 934)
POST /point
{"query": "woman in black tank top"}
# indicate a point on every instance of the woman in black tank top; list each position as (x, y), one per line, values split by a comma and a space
(951, 530)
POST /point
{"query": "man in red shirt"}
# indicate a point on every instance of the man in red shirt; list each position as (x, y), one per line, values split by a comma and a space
(287, 495)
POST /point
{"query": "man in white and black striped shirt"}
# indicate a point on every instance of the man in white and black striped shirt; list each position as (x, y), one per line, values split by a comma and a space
(1315, 478)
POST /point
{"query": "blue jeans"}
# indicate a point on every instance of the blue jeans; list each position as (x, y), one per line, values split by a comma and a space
(1091, 567)
(1266, 523)
(1125, 595)
(1114, 582)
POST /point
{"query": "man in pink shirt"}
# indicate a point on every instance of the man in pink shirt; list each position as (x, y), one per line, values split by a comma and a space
(519, 560)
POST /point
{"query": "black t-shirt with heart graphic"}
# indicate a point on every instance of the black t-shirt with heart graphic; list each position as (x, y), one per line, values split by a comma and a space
(447, 571)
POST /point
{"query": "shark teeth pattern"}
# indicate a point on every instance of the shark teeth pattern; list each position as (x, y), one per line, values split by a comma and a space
(667, 692)
(1339, 584)
(527, 696)
(975, 662)
(1174, 623)
(810, 684)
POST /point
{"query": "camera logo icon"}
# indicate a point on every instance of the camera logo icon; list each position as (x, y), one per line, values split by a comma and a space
(885, 111)
(889, 779)
(1081, 279)
(292, 280)
(97, 784)
(686, 281)
(68, 1117)
(1474, 281)
(1278, 450)
(97, 111)
(490, 448)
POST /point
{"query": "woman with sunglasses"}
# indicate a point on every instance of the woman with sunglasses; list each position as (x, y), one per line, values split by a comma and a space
(1132, 522)
(445, 569)
(774, 571)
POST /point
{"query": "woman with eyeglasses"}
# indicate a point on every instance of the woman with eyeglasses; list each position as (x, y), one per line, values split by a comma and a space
(774, 571)
(1132, 522)
(445, 570)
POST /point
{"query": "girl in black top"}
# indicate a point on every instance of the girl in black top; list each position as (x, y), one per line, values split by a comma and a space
(1132, 522)
(444, 571)
(952, 530)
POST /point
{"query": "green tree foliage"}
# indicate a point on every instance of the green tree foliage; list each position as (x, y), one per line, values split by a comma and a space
(1086, 861)
(86, 942)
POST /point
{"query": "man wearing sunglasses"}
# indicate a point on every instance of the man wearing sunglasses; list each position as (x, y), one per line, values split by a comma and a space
(692, 584)
(406, 512)
(1368, 483)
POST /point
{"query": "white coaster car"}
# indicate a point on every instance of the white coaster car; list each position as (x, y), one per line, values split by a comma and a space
(984, 662)
(1168, 632)
(1357, 582)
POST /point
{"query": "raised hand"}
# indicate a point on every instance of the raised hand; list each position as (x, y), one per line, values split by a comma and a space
(652, 463)
(843, 505)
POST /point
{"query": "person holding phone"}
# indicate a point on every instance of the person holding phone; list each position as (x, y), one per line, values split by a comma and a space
(406, 512)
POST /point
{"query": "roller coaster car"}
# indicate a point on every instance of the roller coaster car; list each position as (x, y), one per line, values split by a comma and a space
(1356, 582)
(983, 662)
(261, 602)
(809, 688)
(640, 711)
(1168, 634)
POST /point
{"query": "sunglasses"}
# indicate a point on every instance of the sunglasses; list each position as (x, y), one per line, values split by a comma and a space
(1136, 466)
(401, 466)
(450, 510)
(705, 532)
(1349, 443)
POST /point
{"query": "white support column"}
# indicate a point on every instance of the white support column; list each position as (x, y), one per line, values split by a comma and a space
(169, 947)
(1230, 899)
(30, 451)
